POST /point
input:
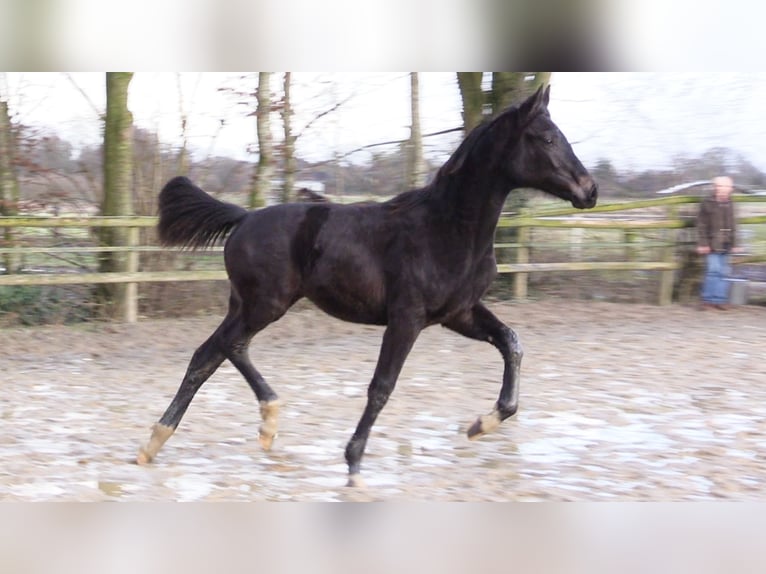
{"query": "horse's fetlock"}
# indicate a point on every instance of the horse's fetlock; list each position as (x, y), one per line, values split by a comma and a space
(353, 454)
(507, 410)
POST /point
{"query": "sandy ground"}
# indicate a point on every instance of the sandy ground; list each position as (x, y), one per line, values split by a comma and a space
(618, 402)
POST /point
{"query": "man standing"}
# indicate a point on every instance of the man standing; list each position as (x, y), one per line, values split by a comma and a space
(717, 236)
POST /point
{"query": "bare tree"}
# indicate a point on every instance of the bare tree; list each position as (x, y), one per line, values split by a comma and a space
(473, 98)
(118, 192)
(416, 169)
(265, 168)
(9, 183)
(507, 88)
(183, 161)
(283, 150)
(288, 146)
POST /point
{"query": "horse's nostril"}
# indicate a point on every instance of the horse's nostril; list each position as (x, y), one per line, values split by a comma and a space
(592, 195)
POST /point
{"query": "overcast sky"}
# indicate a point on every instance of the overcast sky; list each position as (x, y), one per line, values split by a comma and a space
(636, 120)
(642, 120)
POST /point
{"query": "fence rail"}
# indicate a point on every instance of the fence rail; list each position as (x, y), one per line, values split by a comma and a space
(666, 220)
(131, 276)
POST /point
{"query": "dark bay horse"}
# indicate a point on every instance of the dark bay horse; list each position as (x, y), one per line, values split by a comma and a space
(423, 258)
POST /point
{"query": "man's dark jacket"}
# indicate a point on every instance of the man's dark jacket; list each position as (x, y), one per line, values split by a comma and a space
(717, 225)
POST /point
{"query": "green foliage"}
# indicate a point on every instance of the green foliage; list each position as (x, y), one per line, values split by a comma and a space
(43, 305)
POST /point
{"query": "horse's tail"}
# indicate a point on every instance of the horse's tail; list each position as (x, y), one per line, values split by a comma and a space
(191, 218)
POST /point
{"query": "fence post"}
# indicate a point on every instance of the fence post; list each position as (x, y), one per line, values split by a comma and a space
(667, 277)
(576, 235)
(130, 303)
(629, 241)
(522, 256)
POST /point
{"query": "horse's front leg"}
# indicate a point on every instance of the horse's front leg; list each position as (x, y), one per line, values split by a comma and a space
(398, 339)
(481, 324)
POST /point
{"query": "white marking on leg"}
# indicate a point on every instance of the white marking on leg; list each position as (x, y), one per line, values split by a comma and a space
(356, 481)
(160, 434)
(269, 416)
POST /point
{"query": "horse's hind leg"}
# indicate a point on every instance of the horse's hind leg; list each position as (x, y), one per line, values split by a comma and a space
(267, 398)
(481, 324)
(206, 359)
(235, 348)
(229, 341)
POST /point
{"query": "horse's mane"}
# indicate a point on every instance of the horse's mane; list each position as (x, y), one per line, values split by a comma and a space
(409, 199)
(458, 157)
(476, 137)
(452, 166)
(414, 197)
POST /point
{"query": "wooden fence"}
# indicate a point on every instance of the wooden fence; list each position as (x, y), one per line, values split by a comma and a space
(664, 217)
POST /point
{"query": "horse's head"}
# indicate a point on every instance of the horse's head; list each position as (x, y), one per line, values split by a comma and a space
(544, 159)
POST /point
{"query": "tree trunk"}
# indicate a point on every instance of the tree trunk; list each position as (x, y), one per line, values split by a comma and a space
(473, 98)
(508, 88)
(9, 185)
(540, 79)
(288, 180)
(416, 172)
(265, 168)
(118, 189)
(183, 154)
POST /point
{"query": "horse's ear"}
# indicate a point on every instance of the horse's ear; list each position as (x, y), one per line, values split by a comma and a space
(536, 102)
(547, 95)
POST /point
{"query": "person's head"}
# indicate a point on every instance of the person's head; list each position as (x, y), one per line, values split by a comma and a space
(722, 187)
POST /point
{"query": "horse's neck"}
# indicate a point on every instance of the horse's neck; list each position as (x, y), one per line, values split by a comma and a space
(477, 203)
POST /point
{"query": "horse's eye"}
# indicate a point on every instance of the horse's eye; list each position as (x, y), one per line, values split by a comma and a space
(548, 140)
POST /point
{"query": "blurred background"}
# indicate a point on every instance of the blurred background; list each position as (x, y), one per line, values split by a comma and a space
(640, 132)
(262, 138)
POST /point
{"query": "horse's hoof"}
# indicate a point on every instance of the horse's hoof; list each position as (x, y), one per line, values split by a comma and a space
(483, 425)
(356, 481)
(143, 457)
(160, 434)
(475, 431)
(266, 441)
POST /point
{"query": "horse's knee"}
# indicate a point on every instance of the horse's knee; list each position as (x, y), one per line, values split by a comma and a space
(517, 352)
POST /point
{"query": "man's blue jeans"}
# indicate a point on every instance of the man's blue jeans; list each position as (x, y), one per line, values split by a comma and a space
(715, 287)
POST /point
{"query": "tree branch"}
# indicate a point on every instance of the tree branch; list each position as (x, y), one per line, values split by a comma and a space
(101, 115)
(368, 146)
(322, 114)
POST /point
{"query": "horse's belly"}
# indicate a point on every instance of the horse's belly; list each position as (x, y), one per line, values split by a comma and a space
(349, 306)
(349, 286)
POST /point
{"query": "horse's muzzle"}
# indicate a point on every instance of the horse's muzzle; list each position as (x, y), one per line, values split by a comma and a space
(587, 198)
